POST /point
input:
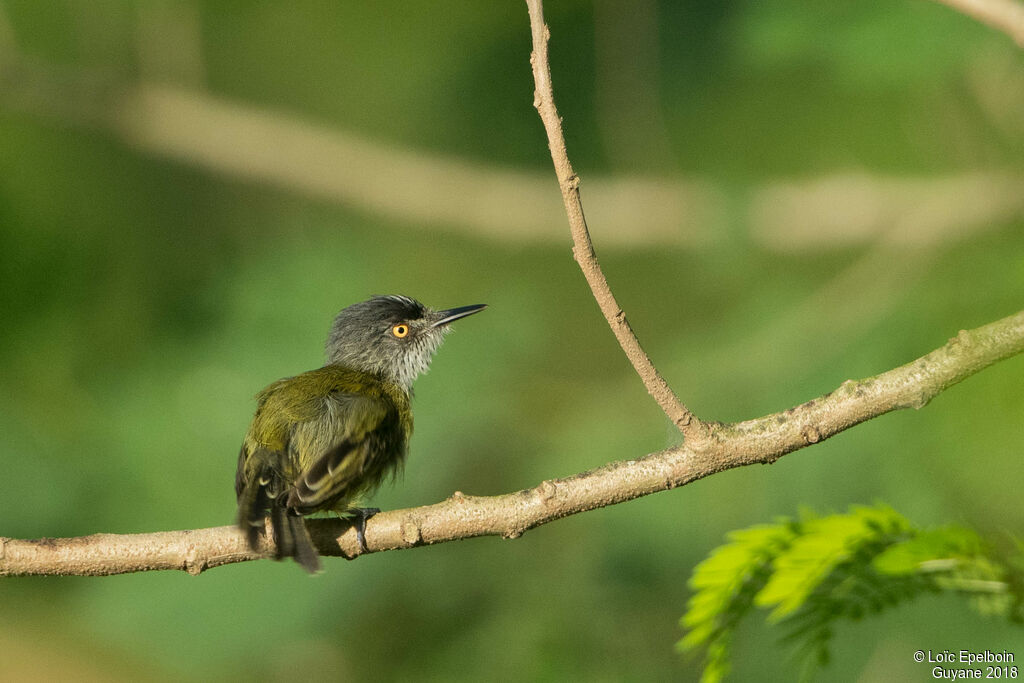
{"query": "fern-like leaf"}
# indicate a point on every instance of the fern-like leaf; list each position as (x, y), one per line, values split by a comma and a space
(816, 571)
(724, 586)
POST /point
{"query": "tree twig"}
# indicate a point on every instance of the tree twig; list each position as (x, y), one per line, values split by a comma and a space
(583, 247)
(717, 447)
(763, 440)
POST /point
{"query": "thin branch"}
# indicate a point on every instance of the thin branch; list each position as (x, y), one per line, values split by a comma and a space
(583, 248)
(717, 447)
(760, 441)
(1003, 15)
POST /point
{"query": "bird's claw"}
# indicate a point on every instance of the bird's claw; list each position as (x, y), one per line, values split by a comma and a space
(363, 514)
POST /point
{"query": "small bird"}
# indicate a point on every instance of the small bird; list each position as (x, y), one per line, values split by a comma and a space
(323, 439)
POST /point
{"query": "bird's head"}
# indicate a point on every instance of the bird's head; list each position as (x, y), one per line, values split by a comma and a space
(394, 337)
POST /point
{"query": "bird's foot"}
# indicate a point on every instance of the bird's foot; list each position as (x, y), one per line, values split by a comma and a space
(363, 514)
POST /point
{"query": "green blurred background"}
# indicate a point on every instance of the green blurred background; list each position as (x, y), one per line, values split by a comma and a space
(784, 195)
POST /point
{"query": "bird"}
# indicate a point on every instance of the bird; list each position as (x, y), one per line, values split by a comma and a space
(324, 439)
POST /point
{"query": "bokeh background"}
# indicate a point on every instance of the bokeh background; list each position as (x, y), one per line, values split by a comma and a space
(784, 195)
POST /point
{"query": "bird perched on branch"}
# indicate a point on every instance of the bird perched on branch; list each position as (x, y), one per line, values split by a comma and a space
(323, 439)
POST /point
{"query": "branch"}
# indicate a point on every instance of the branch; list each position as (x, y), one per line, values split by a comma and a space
(1003, 15)
(583, 248)
(274, 148)
(709, 448)
(760, 441)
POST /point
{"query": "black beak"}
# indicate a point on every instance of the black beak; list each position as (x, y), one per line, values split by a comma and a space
(453, 314)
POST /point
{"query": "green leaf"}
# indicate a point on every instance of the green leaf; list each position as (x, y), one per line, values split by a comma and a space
(934, 546)
(723, 582)
(724, 585)
(813, 572)
(825, 543)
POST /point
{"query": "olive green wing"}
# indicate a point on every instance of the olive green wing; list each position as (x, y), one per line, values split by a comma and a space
(345, 451)
(317, 440)
(266, 468)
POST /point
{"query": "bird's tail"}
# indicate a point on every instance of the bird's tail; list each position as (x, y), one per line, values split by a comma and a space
(257, 493)
(292, 537)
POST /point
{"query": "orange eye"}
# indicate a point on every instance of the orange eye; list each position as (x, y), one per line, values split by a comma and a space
(400, 330)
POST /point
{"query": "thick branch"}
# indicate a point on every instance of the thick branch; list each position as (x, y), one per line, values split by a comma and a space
(716, 447)
(763, 440)
(1003, 15)
(583, 248)
(837, 209)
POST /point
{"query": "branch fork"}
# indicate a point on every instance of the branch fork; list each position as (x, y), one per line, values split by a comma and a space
(708, 447)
